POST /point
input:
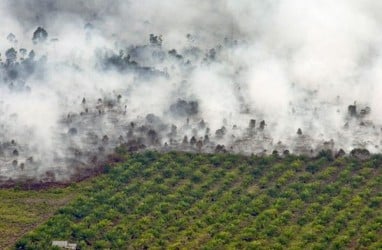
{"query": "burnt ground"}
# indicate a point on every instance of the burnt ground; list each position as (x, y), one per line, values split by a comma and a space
(80, 174)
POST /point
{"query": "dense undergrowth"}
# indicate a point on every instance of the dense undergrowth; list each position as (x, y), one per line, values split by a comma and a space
(196, 201)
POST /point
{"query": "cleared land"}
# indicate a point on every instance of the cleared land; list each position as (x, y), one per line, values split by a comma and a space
(21, 211)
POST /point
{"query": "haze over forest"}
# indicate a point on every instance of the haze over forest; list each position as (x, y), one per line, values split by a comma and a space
(79, 78)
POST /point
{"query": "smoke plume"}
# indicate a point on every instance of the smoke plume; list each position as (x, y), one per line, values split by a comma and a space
(78, 78)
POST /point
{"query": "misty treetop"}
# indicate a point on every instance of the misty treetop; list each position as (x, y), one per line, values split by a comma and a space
(40, 35)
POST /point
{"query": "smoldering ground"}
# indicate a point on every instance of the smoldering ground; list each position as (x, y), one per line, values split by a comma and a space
(79, 78)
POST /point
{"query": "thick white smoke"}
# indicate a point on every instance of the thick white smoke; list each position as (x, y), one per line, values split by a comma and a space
(99, 79)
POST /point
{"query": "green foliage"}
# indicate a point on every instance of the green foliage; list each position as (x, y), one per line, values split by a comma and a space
(196, 201)
(22, 210)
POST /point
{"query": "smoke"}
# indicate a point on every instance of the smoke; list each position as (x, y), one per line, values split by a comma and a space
(209, 76)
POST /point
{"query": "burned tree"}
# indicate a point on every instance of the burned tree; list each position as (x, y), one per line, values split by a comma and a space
(262, 125)
(11, 37)
(156, 40)
(184, 108)
(11, 55)
(352, 110)
(252, 124)
(185, 140)
(220, 133)
(193, 140)
(152, 137)
(40, 35)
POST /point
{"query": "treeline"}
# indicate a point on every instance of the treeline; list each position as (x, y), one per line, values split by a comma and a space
(222, 201)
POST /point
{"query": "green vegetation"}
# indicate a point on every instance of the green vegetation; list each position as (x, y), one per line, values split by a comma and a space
(188, 201)
(21, 211)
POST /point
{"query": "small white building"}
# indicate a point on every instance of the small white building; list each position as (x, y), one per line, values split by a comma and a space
(64, 244)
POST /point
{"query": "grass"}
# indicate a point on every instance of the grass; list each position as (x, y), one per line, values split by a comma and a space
(21, 211)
